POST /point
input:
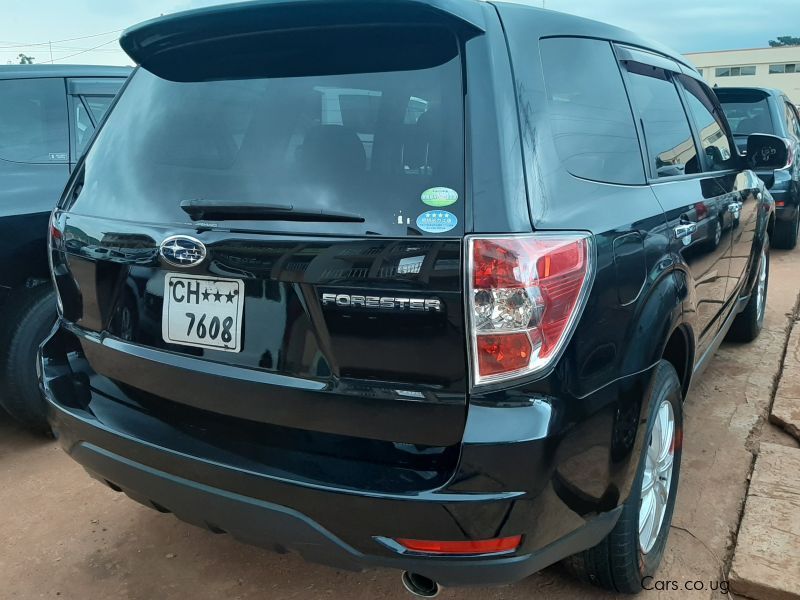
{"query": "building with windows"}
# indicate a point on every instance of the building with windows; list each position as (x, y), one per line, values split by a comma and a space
(757, 67)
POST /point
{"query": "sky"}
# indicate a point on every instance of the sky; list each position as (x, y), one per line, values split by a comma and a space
(39, 27)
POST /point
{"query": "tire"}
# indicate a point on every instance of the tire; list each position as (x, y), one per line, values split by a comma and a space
(716, 236)
(621, 562)
(747, 325)
(29, 317)
(784, 235)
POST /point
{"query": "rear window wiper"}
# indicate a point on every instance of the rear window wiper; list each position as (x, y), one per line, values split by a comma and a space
(215, 210)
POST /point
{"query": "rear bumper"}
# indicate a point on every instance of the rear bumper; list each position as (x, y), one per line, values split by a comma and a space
(786, 194)
(563, 502)
(280, 528)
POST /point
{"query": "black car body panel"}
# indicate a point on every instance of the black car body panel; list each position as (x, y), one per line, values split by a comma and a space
(339, 428)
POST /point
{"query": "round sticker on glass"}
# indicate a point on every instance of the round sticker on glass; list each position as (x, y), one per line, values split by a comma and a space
(439, 196)
(436, 221)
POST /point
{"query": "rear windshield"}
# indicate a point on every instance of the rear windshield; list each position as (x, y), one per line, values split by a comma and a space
(385, 145)
(747, 112)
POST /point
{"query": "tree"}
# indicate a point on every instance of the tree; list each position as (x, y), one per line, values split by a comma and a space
(26, 60)
(785, 40)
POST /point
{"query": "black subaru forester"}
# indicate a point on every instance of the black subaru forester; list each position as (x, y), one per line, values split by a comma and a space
(418, 284)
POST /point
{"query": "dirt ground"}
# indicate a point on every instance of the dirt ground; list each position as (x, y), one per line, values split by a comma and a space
(64, 535)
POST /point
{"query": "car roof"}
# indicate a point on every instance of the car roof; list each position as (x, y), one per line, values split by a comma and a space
(35, 71)
(564, 24)
(147, 39)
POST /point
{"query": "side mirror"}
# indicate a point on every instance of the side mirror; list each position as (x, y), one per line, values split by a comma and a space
(767, 151)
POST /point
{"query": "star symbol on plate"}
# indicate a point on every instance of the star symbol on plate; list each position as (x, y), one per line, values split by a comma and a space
(217, 296)
(206, 294)
(230, 296)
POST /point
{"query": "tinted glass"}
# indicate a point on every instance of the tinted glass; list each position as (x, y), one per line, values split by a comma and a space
(84, 128)
(713, 139)
(366, 144)
(666, 129)
(33, 121)
(747, 111)
(98, 105)
(791, 120)
(589, 113)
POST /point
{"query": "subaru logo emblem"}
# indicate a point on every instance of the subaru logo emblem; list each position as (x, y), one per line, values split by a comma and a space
(182, 251)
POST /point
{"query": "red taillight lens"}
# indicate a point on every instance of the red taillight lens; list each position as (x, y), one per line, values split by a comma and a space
(525, 293)
(492, 546)
(54, 243)
(56, 234)
(500, 353)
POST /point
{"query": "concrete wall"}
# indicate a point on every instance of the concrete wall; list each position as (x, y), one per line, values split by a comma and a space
(761, 58)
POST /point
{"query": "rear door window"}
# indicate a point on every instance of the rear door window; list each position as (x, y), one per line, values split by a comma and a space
(84, 127)
(791, 120)
(591, 120)
(387, 145)
(33, 121)
(667, 133)
(98, 105)
(87, 113)
(747, 111)
(716, 146)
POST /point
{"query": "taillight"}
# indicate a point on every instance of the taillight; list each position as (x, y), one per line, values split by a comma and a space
(56, 234)
(54, 242)
(792, 151)
(525, 295)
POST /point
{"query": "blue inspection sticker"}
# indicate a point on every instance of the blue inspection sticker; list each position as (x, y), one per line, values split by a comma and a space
(437, 221)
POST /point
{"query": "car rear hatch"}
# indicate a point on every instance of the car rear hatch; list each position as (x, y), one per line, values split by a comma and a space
(268, 229)
(747, 111)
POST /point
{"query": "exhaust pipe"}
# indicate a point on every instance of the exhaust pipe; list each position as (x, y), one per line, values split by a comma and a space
(420, 586)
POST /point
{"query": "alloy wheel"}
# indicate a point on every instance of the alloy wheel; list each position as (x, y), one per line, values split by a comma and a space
(657, 477)
(761, 289)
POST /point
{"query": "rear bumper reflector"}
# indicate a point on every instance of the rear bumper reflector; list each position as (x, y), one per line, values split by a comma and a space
(493, 546)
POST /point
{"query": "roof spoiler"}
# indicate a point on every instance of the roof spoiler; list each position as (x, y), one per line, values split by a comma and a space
(165, 45)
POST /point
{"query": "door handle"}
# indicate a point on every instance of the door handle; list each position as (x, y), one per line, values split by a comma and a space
(684, 230)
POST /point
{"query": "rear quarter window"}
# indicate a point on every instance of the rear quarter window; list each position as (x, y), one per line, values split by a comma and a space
(588, 110)
(33, 121)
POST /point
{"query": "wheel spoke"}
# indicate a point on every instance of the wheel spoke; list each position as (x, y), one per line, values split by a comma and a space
(649, 480)
(653, 449)
(667, 435)
(648, 503)
(647, 521)
(664, 468)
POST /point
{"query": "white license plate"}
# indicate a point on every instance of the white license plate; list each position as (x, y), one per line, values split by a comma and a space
(205, 312)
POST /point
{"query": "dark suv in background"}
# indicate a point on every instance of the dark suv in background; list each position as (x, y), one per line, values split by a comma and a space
(48, 115)
(764, 110)
(432, 301)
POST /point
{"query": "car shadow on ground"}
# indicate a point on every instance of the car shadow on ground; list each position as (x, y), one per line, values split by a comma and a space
(16, 439)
